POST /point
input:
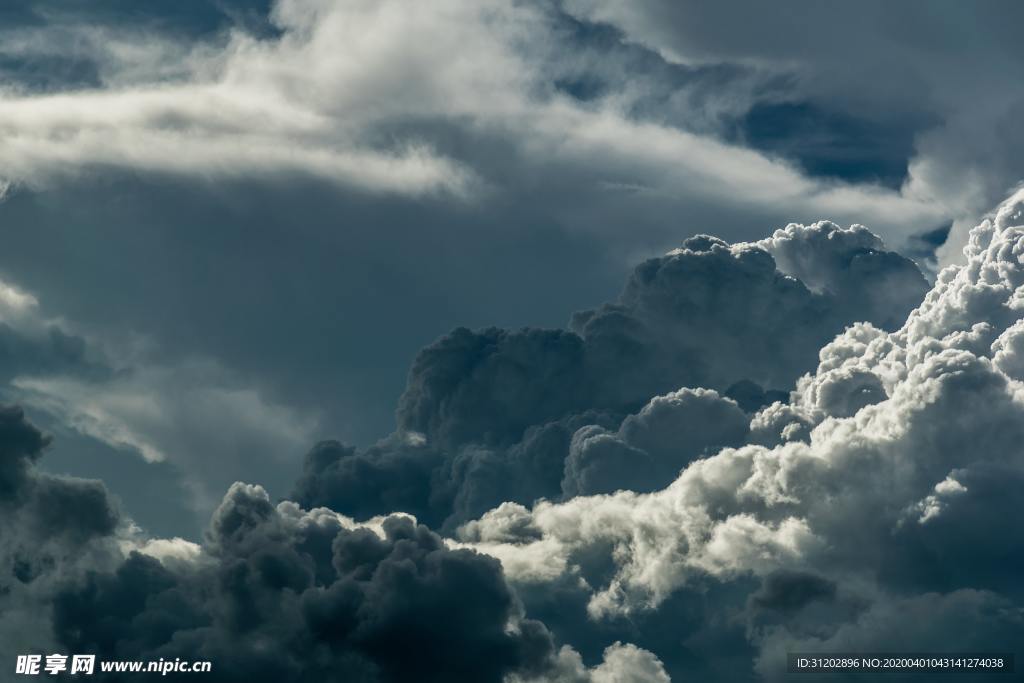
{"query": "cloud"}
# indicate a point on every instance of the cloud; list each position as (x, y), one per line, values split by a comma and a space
(891, 497)
(273, 593)
(650, 447)
(494, 415)
(667, 487)
(227, 190)
(335, 599)
(910, 76)
(193, 414)
(53, 529)
(904, 455)
(372, 95)
(33, 343)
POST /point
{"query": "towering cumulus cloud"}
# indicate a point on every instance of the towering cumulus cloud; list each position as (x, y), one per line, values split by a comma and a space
(874, 512)
(490, 416)
(628, 501)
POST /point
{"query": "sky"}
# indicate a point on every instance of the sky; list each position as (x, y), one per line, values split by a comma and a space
(507, 267)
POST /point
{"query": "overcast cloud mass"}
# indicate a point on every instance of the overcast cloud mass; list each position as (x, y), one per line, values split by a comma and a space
(528, 342)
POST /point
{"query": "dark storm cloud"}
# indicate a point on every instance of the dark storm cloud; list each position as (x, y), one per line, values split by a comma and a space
(826, 541)
(337, 603)
(52, 528)
(274, 593)
(788, 591)
(281, 215)
(487, 416)
(54, 507)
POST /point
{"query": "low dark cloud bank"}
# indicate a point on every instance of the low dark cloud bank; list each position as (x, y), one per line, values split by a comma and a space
(275, 593)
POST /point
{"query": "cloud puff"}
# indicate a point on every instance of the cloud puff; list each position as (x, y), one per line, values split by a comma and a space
(492, 415)
(650, 447)
(53, 529)
(273, 593)
(895, 487)
(386, 601)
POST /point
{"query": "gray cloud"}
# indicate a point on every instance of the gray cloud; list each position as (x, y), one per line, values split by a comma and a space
(920, 71)
(886, 491)
(53, 529)
(261, 211)
(650, 447)
(259, 179)
(903, 449)
(335, 598)
(388, 602)
(266, 104)
(123, 396)
(488, 416)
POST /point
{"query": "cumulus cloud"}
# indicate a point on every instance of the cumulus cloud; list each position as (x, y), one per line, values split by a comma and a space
(273, 592)
(691, 479)
(892, 494)
(53, 528)
(871, 508)
(495, 415)
(650, 447)
(386, 601)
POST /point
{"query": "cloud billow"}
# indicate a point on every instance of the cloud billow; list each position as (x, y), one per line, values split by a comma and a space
(493, 415)
(835, 521)
(274, 593)
(878, 517)
(53, 528)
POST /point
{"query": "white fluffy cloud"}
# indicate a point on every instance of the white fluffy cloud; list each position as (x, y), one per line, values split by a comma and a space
(896, 481)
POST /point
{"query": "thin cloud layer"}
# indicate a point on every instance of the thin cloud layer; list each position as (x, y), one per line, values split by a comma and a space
(194, 415)
(919, 73)
(372, 96)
